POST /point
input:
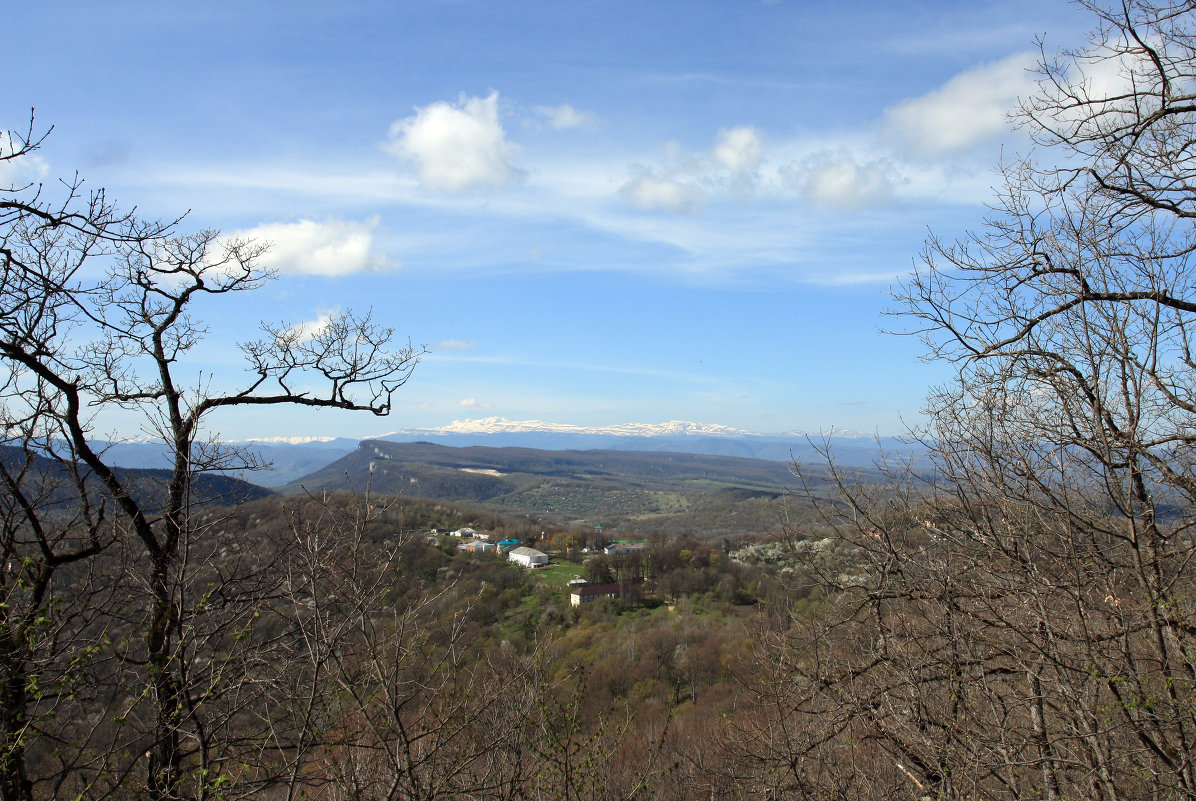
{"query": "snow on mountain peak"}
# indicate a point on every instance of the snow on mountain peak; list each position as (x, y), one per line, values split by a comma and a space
(501, 425)
(496, 425)
(287, 440)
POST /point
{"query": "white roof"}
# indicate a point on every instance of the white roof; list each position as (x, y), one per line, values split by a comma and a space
(525, 551)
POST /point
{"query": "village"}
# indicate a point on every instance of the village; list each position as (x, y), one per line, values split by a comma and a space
(581, 591)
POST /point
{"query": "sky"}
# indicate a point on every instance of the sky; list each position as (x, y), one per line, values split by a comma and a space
(590, 213)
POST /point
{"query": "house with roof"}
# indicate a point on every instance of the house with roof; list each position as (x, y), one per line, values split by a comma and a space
(528, 557)
(588, 593)
(470, 534)
(622, 547)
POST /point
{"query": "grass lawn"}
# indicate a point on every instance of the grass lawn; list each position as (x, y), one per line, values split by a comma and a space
(558, 574)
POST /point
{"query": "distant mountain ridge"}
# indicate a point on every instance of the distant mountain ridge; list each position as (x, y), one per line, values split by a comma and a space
(300, 455)
(147, 484)
(850, 448)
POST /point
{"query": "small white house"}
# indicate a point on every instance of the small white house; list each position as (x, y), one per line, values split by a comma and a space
(528, 557)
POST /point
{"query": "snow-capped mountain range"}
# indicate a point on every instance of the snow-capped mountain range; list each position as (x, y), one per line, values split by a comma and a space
(673, 436)
(293, 457)
(672, 428)
(501, 425)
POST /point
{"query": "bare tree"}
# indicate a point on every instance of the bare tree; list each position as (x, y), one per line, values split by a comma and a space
(1019, 623)
(53, 517)
(50, 521)
(395, 699)
(1071, 323)
(96, 314)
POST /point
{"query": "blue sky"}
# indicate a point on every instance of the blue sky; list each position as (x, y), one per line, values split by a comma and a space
(590, 212)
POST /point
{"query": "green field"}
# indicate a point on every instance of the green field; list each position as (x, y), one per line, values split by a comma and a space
(557, 574)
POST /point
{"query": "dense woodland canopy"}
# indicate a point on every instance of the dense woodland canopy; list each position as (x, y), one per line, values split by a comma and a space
(1015, 622)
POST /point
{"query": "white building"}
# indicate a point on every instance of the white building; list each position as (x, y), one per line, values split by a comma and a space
(625, 547)
(470, 533)
(528, 557)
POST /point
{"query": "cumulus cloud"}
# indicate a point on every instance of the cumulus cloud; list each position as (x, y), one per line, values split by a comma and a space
(333, 247)
(968, 109)
(736, 158)
(474, 403)
(456, 146)
(838, 181)
(564, 117)
(685, 180)
(649, 192)
(738, 149)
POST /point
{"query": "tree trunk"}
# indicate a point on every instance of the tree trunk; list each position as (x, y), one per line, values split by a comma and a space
(165, 758)
(14, 695)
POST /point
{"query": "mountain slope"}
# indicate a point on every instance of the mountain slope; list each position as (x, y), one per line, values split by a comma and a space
(289, 459)
(622, 489)
(148, 486)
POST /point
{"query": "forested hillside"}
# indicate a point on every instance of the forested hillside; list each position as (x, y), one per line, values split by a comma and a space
(620, 491)
(1013, 617)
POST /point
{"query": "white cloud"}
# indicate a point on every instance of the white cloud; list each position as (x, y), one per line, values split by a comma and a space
(452, 344)
(26, 169)
(456, 146)
(474, 403)
(849, 278)
(333, 247)
(684, 181)
(837, 181)
(564, 117)
(649, 192)
(1122, 87)
(309, 329)
(738, 149)
(968, 109)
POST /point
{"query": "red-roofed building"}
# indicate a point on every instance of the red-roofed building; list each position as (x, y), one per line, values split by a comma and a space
(586, 593)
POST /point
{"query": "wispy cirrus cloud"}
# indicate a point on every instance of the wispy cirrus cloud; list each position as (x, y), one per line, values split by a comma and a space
(452, 344)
